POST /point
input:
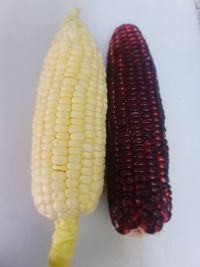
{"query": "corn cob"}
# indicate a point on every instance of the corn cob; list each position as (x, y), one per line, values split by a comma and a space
(68, 146)
(139, 193)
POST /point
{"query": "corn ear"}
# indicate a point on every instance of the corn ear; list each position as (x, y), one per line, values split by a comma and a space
(68, 147)
(139, 193)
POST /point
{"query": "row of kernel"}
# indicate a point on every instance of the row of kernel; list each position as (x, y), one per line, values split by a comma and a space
(52, 127)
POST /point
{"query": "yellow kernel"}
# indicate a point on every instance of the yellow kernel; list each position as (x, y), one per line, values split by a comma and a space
(77, 114)
(74, 158)
(90, 101)
(75, 129)
(98, 154)
(77, 100)
(61, 128)
(90, 109)
(88, 155)
(77, 107)
(72, 203)
(45, 170)
(73, 174)
(59, 167)
(86, 71)
(46, 146)
(83, 198)
(64, 107)
(50, 118)
(42, 209)
(89, 113)
(98, 147)
(65, 93)
(93, 196)
(62, 135)
(49, 111)
(77, 136)
(81, 86)
(59, 151)
(65, 100)
(85, 179)
(98, 161)
(71, 193)
(38, 199)
(84, 188)
(91, 91)
(36, 172)
(82, 208)
(74, 212)
(60, 66)
(49, 125)
(63, 114)
(75, 143)
(89, 120)
(99, 122)
(46, 188)
(58, 175)
(47, 139)
(88, 147)
(76, 122)
(98, 128)
(79, 93)
(62, 121)
(72, 183)
(59, 142)
(45, 163)
(99, 104)
(45, 154)
(100, 140)
(96, 186)
(37, 189)
(45, 179)
(86, 171)
(50, 211)
(74, 166)
(69, 81)
(58, 196)
(75, 150)
(53, 94)
(60, 206)
(57, 159)
(51, 104)
(89, 134)
(87, 163)
(98, 175)
(90, 207)
(98, 169)
(89, 127)
(47, 199)
(58, 185)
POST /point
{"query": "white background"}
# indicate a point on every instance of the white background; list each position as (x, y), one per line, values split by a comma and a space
(171, 30)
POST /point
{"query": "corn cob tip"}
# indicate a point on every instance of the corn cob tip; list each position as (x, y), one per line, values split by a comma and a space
(133, 27)
(74, 14)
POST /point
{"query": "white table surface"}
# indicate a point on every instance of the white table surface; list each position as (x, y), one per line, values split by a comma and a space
(171, 30)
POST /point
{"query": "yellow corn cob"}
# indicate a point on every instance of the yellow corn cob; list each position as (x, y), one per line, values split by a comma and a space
(68, 147)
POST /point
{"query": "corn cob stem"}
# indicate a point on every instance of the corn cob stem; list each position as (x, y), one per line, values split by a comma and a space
(64, 242)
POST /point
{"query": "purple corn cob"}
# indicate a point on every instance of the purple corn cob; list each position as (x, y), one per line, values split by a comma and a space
(139, 193)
